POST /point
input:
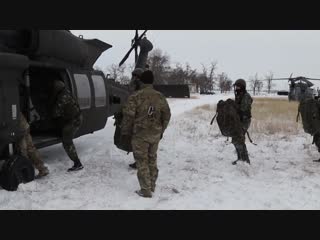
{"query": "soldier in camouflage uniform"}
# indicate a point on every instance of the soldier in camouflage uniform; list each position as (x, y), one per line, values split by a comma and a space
(66, 112)
(28, 150)
(146, 117)
(243, 102)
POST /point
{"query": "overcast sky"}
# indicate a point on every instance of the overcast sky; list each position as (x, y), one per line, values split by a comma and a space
(239, 53)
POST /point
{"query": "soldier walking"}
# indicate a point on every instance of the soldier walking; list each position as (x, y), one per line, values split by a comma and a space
(243, 102)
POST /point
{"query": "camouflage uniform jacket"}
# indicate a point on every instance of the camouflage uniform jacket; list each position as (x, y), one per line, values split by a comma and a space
(66, 106)
(146, 114)
(243, 103)
(24, 125)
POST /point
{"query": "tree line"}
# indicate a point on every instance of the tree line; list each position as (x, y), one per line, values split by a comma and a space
(205, 80)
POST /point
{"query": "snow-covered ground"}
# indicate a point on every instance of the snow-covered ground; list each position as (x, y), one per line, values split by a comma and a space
(195, 171)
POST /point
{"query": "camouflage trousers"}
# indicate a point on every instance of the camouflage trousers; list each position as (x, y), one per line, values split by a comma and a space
(145, 154)
(29, 151)
(239, 142)
(68, 132)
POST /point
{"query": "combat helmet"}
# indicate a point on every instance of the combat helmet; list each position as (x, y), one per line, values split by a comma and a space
(137, 72)
(240, 83)
(58, 85)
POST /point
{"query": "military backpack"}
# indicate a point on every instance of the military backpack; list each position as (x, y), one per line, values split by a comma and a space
(309, 110)
(228, 119)
(122, 142)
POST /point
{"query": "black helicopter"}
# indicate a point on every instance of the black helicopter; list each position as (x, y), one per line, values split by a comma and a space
(299, 88)
(30, 60)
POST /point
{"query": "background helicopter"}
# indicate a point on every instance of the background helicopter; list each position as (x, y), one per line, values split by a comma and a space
(299, 87)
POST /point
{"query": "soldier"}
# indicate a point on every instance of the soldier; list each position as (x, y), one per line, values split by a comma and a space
(66, 112)
(243, 102)
(28, 150)
(146, 117)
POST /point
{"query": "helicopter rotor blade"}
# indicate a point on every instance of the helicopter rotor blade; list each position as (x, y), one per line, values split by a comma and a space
(280, 79)
(313, 78)
(135, 44)
(136, 48)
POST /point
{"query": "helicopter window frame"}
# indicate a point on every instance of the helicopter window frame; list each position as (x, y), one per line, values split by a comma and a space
(100, 92)
(83, 89)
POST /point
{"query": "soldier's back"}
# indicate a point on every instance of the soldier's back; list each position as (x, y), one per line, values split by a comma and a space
(69, 104)
(150, 105)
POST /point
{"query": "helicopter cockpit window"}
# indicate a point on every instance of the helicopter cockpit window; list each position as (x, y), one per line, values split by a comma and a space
(83, 90)
(100, 90)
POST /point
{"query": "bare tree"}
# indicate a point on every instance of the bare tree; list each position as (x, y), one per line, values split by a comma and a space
(206, 79)
(224, 82)
(228, 85)
(177, 75)
(256, 84)
(259, 86)
(117, 73)
(190, 73)
(159, 63)
(269, 78)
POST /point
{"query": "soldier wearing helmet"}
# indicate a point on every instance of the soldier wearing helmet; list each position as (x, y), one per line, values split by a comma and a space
(243, 102)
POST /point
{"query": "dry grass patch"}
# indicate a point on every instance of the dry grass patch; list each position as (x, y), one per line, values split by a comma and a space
(269, 116)
(194, 97)
(206, 107)
(272, 116)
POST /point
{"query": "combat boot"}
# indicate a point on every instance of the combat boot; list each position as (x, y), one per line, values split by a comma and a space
(238, 156)
(42, 172)
(76, 167)
(246, 155)
(144, 193)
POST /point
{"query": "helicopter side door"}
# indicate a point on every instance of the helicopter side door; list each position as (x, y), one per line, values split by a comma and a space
(91, 92)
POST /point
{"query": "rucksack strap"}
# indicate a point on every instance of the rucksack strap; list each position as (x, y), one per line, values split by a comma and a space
(250, 139)
(213, 118)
